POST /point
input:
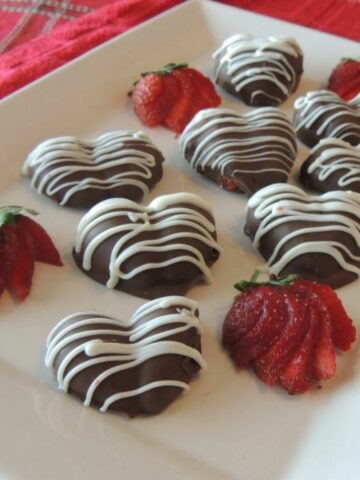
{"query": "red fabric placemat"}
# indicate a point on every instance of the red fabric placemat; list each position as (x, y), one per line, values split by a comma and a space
(339, 17)
(79, 25)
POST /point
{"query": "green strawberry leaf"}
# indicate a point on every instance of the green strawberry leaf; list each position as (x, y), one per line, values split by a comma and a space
(244, 285)
(167, 69)
(8, 214)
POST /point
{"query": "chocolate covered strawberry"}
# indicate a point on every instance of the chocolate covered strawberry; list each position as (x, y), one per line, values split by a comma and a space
(22, 242)
(286, 329)
(172, 95)
(345, 78)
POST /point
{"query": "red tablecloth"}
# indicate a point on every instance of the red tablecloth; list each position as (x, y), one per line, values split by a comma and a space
(37, 36)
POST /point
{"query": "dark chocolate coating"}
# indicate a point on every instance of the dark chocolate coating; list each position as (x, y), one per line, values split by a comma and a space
(318, 265)
(263, 91)
(260, 148)
(324, 114)
(322, 179)
(174, 279)
(160, 367)
(98, 186)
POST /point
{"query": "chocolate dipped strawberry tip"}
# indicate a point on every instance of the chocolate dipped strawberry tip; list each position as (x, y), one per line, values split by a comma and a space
(244, 285)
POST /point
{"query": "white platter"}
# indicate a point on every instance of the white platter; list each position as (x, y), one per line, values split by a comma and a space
(229, 426)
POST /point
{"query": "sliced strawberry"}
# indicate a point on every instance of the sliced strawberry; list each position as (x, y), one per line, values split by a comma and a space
(206, 93)
(184, 108)
(343, 329)
(297, 375)
(324, 363)
(269, 366)
(243, 315)
(265, 332)
(3, 263)
(20, 275)
(147, 99)
(44, 248)
(8, 250)
(345, 79)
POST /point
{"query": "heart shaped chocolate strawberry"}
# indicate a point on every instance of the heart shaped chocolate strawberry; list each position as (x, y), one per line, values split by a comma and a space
(324, 114)
(240, 152)
(137, 366)
(148, 251)
(315, 237)
(80, 174)
(259, 71)
(332, 165)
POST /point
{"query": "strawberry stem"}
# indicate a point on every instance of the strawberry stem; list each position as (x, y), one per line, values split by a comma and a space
(244, 285)
(167, 69)
(8, 214)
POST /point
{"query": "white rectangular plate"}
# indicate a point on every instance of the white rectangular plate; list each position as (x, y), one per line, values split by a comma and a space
(229, 426)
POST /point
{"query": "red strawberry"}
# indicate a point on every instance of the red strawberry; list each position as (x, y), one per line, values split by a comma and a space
(8, 249)
(147, 100)
(284, 329)
(22, 241)
(324, 364)
(297, 375)
(19, 278)
(45, 250)
(263, 306)
(242, 317)
(270, 365)
(345, 78)
(343, 330)
(185, 105)
(172, 95)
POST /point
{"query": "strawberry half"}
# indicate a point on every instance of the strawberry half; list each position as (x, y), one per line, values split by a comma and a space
(345, 78)
(45, 250)
(19, 278)
(286, 329)
(297, 375)
(172, 95)
(22, 241)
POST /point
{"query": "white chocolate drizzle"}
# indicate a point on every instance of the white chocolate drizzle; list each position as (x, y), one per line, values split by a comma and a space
(279, 204)
(54, 162)
(333, 155)
(161, 214)
(141, 346)
(328, 108)
(263, 137)
(248, 60)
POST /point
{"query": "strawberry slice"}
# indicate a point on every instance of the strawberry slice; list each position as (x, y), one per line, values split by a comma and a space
(44, 248)
(147, 99)
(345, 78)
(9, 244)
(184, 107)
(343, 329)
(207, 96)
(324, 363)
(269, 366)
(242, 317)
(296, 376)
(265, 332)
(19, 278)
